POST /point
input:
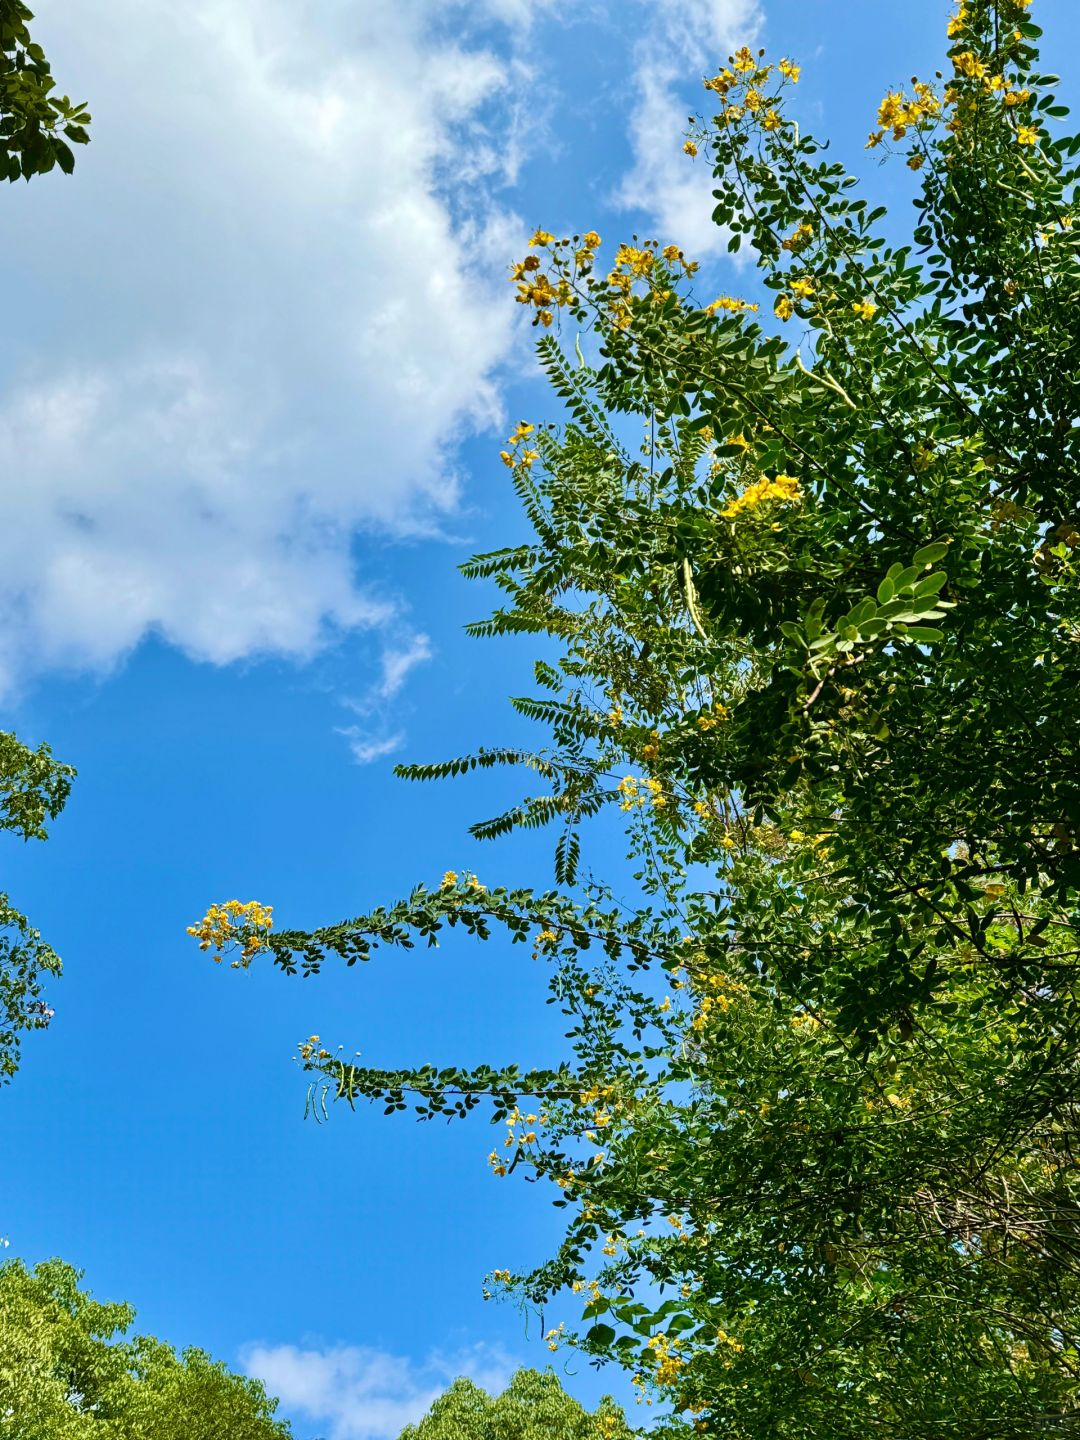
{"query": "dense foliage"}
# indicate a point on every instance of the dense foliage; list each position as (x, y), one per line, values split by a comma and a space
(814, 587)
(33, 789)
(534, 1406)
(69, 1372)
(37, 127)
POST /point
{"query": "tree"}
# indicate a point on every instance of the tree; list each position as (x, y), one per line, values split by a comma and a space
(65, 1374)
(534, 1406)
(820, 646)
(37, 128)
(33, 786)
(33, 789)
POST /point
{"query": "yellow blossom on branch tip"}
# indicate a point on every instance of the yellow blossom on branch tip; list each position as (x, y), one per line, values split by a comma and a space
(784, 309)
(730, 303)
(1027, 135)
(689, 148)
(743, 60)
(542, 237)
(789, 69)
(865, 309)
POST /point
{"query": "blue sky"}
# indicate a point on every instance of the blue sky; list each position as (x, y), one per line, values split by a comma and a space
(256, 371)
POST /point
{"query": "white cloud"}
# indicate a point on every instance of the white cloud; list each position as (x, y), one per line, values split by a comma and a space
(684, 39)
(271, 307)
(373, 741)
(367, 1394)
(396, 665)
(366, 748)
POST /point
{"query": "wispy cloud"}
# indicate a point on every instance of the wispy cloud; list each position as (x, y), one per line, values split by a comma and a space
(360, 1393)
(380, 735)
(683, 40)
(397, 663)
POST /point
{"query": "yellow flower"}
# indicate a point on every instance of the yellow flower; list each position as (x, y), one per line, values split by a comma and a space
(1017, 97)
(541, 237)
(770, 120)
(800, 236)
(784, 309)
(865, 309)
(957, 23)
(1027, 135)
(521, 431)
(591, 239)
(743, 60)
(689, 148)
(449, 880)
(753, 100)
(791, 70)
(969, 64)
(803, 288)
(721, 83)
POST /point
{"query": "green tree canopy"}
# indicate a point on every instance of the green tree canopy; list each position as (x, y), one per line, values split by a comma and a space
(812, 585)
(68, 1371)
(33, 789)
(37, 127)
(534, 1406)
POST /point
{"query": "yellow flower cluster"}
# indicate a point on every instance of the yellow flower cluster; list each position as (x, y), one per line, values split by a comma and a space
(534, 287)
(669, 1365)
(747, 68)
(232, 923)
(310, 1049)
(806, 1022)
(712, 718)
(634, 263)
(762, 492)
(799, 238)
(864, 309)
(451, 878)
(968, 63)
(517, 456)
(729, 303)
(898, 110)
(637, 793)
